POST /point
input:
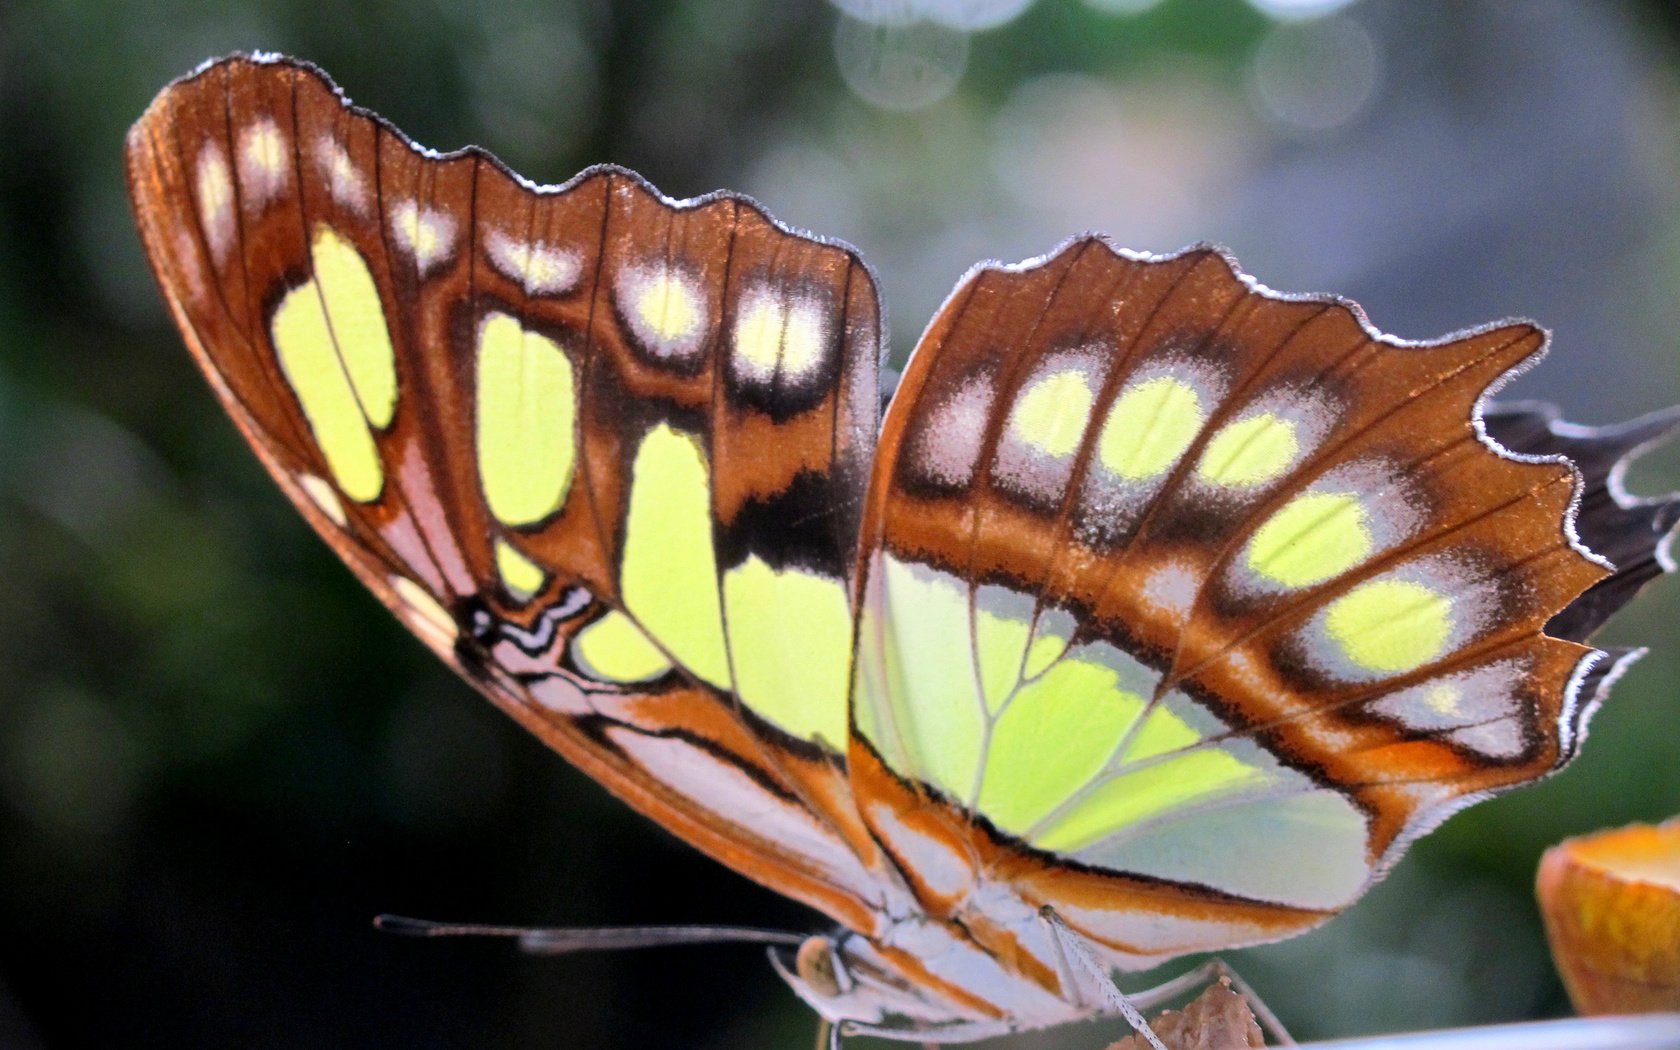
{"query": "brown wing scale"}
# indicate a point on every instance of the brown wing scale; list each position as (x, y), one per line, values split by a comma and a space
(234, 172)
(1151, 540)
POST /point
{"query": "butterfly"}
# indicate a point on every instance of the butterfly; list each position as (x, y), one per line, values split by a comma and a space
(1153, 613)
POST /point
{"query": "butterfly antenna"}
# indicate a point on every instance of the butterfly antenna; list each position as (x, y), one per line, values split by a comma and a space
(1073, 952)
(539, 940)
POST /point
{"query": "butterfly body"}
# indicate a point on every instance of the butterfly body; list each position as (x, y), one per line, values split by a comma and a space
(1156, 600)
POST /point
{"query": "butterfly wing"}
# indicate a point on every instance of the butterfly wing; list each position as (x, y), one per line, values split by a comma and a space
(602, 451)
(1187, 605)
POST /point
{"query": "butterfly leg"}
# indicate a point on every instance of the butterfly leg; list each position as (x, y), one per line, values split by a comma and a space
(1213, 970)
(828, 1034)
(1071, 954)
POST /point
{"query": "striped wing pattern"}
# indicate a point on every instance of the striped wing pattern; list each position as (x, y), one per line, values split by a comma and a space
(533, 423)
(1157, 598)
(1188, 605)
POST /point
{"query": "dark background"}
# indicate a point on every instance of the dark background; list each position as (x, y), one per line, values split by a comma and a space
(219, 758)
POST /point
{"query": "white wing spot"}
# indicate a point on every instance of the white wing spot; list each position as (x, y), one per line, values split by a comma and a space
(947, 445)
(777, 334)
(428, 235)
(323, 496)
(424, 614)
(344, 181)
(540, 268)
(1481, 709)
(264, 164)
(664, 310)
(215, 199)
(1172, 588)
(192, 266)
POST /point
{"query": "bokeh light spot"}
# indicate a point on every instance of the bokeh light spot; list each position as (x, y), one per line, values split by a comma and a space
(968, 15)
(900, 66)
(1315, 77)
(1122, 7)
(1297, 10)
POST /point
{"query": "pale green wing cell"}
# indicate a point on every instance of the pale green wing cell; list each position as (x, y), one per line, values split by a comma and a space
(740, 482)
(1073, 750)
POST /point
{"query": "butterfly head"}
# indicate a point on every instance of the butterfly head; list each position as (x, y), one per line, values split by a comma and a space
(854, 983)
(818, 966)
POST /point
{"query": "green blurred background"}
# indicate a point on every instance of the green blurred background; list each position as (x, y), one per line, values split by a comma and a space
(219, 757)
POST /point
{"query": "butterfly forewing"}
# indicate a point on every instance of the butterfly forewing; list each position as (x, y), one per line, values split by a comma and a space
(535, 423)
(1225, 595)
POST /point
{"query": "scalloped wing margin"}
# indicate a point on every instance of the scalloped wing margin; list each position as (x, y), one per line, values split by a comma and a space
(601, 450)
(1169, 577)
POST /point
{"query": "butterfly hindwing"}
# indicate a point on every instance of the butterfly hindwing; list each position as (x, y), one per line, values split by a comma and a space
(1187, 604)
(534, 423)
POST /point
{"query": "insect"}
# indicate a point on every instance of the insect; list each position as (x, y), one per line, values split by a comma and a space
(1154, 613)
